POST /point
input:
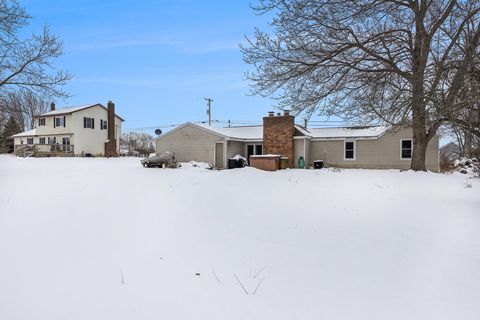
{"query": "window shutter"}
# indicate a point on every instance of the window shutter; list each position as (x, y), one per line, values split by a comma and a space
(54, 121)
(84, 122)
(101, 124)
(64, 121)
(93, 123)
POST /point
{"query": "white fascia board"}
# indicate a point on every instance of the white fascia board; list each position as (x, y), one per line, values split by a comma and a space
(343, 138)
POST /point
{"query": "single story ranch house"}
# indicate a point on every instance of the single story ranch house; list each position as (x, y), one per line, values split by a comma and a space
(89, 130)
(371, 147)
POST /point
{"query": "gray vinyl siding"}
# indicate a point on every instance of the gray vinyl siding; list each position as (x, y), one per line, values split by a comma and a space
(307, 154)
(299, 145)
(234, 148)
(189, 143)
(381, 153)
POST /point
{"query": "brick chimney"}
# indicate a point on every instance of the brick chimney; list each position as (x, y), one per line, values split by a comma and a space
(52, 106)
(111, 143)
(278, 136)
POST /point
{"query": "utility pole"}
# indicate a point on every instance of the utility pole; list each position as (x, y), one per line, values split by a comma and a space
(209, 111)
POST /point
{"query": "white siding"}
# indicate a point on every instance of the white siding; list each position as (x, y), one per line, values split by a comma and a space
(85, 140)
(48, 128)
(299, 145)
(89, 140)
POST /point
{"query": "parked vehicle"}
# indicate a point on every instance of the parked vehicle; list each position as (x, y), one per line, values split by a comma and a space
(167, 158)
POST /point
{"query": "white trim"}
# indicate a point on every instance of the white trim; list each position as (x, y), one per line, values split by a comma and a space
(215, 153)
(345, 138)
(193, 125)
(254, 149)
(76, 109)
(225, 161)
(411, 149)
(305, 153)
(354, 150)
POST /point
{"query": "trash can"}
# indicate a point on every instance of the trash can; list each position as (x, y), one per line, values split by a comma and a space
(318, 164)
(284, 163)
(301, 163)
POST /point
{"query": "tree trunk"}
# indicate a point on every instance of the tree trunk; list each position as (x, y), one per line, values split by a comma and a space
(420, 143)
(420, 137)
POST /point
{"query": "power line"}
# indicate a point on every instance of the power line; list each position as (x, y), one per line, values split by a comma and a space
(314, 124)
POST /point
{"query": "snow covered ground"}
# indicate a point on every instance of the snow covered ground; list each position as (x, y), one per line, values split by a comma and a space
(108, 239)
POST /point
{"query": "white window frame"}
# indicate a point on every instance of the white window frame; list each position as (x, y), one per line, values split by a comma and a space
(89, 121)
(401, 149)
(61, 121)
(345, 150)
(31, 140)
(42, 122)
(42, 139)
(254, 148)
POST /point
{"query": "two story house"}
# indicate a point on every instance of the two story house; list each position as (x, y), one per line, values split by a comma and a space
(89, 130)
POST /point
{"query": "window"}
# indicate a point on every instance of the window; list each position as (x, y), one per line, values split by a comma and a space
(406, 149)
(52, 140)
(66, 140)
(41, 122)
(29, 140)
(103, 125)
(59, 122)
(42, 140)
(250, 151)
(254, 149)
(88, 123)
(349, 150)
(258, 149)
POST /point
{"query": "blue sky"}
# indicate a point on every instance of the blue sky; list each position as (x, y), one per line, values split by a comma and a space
(157, 60)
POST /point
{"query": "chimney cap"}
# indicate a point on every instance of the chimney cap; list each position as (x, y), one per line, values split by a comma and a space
(271, 113)
(286, 112)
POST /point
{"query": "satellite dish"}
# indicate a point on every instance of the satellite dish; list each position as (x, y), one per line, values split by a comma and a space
(158, 132)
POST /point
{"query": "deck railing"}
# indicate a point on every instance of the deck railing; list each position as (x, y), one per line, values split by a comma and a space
(44, 149)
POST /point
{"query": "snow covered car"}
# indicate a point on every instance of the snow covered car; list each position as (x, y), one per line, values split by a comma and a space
(166, 158)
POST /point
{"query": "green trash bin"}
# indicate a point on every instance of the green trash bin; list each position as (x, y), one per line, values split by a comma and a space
(301, 163)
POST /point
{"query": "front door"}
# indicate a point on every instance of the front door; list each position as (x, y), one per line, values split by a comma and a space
(219, 155)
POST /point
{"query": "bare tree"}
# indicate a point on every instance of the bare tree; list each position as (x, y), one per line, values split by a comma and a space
(25, 63)
(23, 105)
(398, 61)
(137, 142)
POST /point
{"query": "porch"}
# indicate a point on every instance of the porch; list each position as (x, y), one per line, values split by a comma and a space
(44, 150)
